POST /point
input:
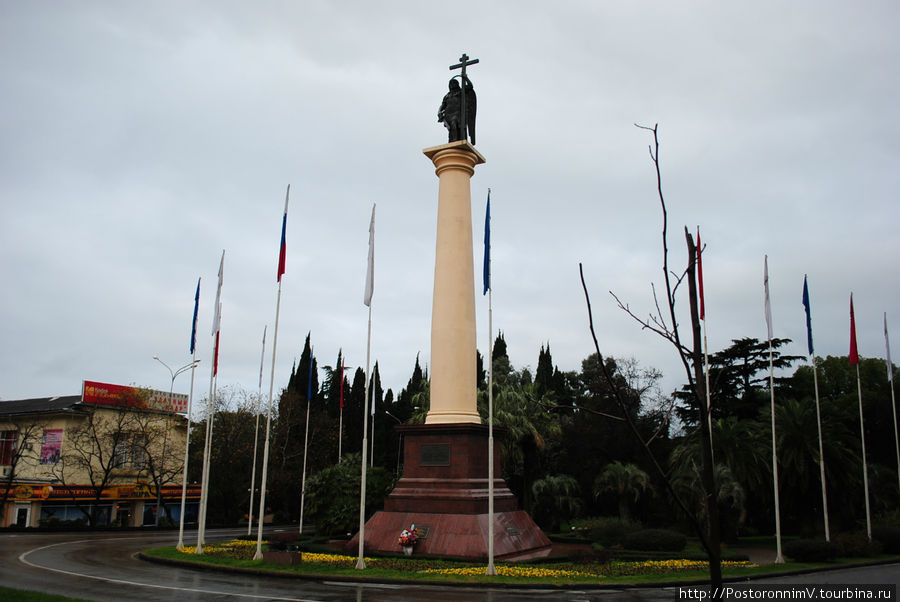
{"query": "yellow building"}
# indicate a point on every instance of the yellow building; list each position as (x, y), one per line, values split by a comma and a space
(99, 459)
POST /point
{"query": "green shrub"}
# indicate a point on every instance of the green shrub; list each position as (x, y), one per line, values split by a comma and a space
(854, 545)
(889, 538)
(810, 550)
(606, 531)
(663, 540)
(332, 495)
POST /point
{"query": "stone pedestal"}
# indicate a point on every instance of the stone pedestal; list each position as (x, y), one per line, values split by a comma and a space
(444, 493)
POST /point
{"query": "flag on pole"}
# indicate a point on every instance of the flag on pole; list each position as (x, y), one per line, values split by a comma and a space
(283, 252)
(217, 316)
(854, 355)
(194, 321)
(370, 273)
(768, 305)
(487, 245)
(809, 340)
(700, 275)
(887, 347)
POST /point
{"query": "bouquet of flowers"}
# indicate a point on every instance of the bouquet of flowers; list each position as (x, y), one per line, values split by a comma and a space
(408, 537)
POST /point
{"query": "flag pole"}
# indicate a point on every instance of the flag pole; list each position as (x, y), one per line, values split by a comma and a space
(204, 479)
(812, 361)
(854, 361)
(372, 401)
(491, 569)
(306, 437)
(705, 346)
(367, 299)
(341, 418)
(779, 558)
(187, 443)
(282, 259)
(210, 413)
(262, 360)
(890, 373)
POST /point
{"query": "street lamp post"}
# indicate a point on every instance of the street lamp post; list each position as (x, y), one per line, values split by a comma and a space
(173, 374)
(399, 443)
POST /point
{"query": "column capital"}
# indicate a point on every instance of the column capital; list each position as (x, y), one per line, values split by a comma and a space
(460, 155)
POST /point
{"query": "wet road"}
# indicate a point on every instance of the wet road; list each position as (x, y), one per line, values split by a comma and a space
(104, 566)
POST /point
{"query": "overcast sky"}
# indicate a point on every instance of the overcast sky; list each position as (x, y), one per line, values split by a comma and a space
(140, 139)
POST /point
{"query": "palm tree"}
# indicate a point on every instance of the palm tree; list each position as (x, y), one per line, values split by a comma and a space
(627, 482)
(556, 498)
(521, 414)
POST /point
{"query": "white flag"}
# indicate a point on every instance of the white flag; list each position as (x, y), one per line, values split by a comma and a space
(370, 274)
(768, 305)
(217, 308)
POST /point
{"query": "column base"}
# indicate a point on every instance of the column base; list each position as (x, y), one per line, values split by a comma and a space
(444, 492)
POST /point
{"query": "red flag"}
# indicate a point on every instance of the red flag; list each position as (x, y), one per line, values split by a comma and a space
(700, 275)
(283, 251)
(854, 356)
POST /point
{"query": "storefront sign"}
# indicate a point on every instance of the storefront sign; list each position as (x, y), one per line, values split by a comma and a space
(132, 397)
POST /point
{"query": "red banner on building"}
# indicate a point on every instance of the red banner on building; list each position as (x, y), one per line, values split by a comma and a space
(132, 397)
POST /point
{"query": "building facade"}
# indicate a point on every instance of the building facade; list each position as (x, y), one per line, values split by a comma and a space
(112, 456)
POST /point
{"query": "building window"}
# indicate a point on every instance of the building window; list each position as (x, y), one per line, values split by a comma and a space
(8, 446)
(130, 452)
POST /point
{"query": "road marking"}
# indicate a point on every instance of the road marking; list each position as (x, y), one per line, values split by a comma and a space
(24, 560)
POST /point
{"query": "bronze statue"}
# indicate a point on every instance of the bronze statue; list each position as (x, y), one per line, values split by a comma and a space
(458, 108)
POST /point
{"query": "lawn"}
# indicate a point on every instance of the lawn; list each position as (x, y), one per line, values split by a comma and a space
(238, 555)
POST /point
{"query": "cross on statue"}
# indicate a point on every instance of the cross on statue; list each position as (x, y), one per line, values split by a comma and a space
(459, 106)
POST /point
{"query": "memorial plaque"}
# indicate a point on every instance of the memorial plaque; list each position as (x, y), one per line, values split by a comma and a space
(436, 455)
(512, 532)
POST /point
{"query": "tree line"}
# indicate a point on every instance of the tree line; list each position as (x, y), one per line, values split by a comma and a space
(565, 447)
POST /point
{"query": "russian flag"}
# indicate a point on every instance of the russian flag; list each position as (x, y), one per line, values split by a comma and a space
(283, 252)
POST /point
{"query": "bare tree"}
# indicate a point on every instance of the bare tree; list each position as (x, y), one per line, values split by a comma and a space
(157, 453)
(21, 446)
(96, 452)
(664, 323)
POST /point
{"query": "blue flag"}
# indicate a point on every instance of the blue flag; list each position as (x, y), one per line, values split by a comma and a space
(194, 324)
(808, 318)
(487, 245)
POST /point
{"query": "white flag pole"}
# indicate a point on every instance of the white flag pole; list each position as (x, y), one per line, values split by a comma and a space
(187, 443)
(372, 455)
(211, 411)
(187, 448)
(341, 418)
(265, 467)
(812, 360)
(709, 420)
(367, 299)
(779, 558)
(262, 360)
(491, 569)
(862, 435)
(309, 395)
(854, 360)
(890, 373)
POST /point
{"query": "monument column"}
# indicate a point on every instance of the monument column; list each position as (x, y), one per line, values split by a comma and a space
(453, 347)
